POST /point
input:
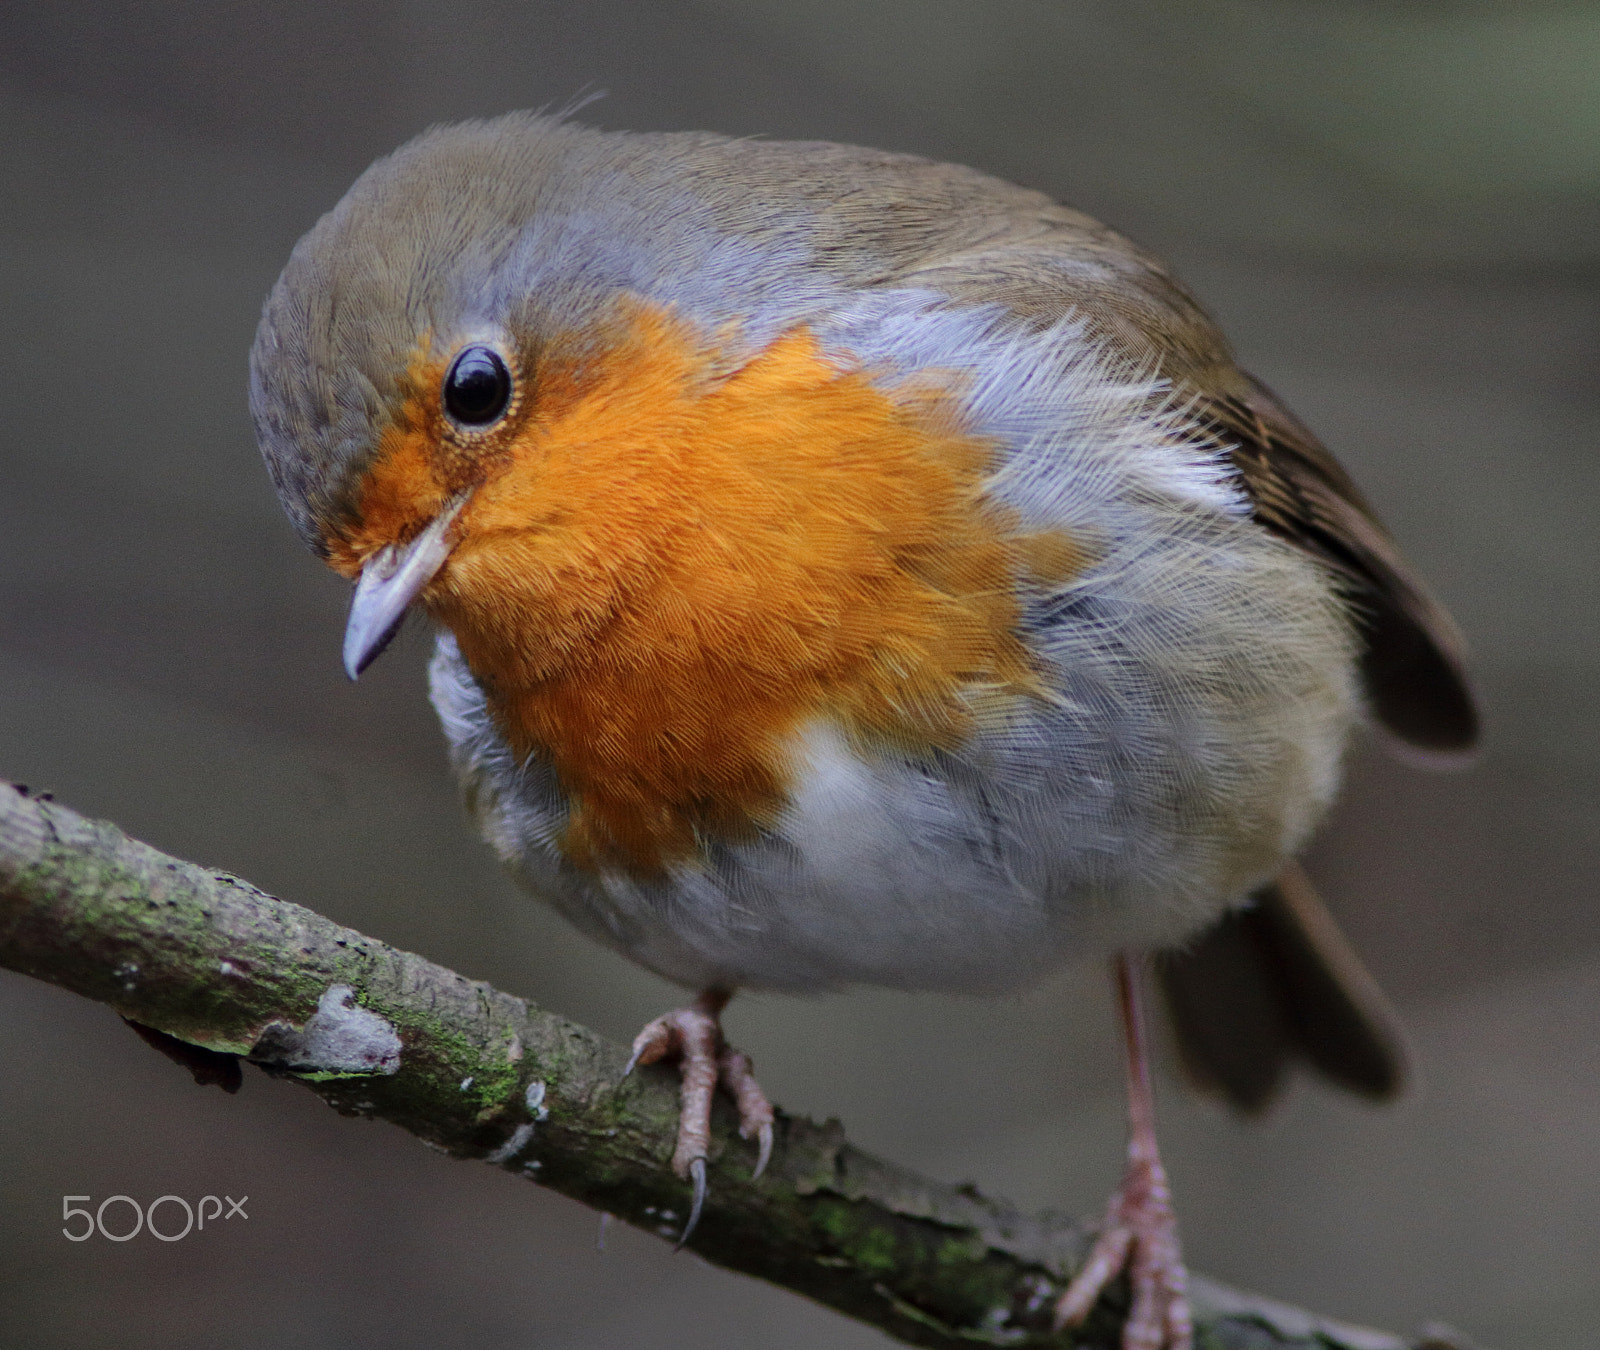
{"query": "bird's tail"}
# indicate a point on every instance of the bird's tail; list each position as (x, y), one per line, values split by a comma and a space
(1277, 982)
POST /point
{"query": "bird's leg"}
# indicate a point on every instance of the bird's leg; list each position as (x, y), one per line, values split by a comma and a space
(694, 1036)
(1140, 1234)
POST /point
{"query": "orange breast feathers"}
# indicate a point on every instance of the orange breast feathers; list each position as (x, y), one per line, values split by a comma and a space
(678, 562)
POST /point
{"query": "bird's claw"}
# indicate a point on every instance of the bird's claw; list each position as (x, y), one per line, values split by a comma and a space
(1140, 1236)
(755, 1111)
(694, 1036)
(697, 1174)
(763, 1149)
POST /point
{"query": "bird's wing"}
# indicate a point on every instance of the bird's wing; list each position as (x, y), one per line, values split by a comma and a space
(1412, 660)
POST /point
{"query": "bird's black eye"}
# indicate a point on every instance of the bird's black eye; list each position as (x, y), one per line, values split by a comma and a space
(478, 387)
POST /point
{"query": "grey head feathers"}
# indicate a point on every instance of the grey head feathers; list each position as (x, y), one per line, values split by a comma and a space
(532, 227)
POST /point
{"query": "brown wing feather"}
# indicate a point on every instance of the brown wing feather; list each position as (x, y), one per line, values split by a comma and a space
(1412, 662)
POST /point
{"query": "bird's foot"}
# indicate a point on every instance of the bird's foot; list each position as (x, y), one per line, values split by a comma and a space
(694, 1037)
(1140, 1235)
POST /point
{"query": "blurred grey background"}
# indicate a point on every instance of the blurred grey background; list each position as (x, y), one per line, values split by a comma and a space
(1393, 209)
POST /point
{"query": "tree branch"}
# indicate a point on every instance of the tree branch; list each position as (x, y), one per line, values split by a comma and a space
(211, 960)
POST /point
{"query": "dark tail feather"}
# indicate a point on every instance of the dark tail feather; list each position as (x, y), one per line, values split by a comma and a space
(1276, 982)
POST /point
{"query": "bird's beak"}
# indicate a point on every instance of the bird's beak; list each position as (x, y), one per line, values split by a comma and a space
(391, 580)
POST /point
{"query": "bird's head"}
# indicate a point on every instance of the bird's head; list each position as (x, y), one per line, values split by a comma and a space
(413, 360)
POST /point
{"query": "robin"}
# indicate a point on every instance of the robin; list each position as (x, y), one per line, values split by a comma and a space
(854, 569)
